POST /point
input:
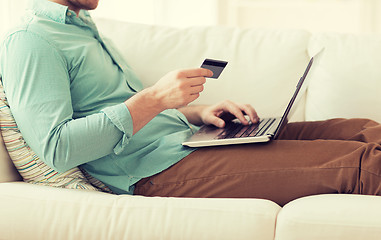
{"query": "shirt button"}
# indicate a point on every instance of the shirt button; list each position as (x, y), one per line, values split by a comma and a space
(69, 13)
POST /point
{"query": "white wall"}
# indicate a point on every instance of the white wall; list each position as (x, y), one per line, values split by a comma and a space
(355, 16)
(142, 11)
(176, 13)
(11, 12)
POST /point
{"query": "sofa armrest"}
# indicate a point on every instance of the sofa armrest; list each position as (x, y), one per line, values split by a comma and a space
(38, 212)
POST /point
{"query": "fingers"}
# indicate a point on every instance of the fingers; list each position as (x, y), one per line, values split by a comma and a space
(180, 87)
(250, 111)
(194, 73)
(196, 89)
(192, 77)
(195, 85)
(192, 82)
(197, 72)
(240, 110)
(236, 110)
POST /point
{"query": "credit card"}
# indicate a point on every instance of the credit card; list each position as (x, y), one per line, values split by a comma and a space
(216, 66)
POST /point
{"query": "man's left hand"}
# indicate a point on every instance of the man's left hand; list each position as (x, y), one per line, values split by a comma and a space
(220, 113)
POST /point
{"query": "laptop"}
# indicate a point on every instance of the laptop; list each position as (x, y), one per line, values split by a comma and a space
(264, 131)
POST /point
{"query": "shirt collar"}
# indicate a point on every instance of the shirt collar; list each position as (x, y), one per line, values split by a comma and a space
(54, 11)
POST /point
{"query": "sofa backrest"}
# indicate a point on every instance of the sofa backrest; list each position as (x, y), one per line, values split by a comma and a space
(347, 80)
(263, 64)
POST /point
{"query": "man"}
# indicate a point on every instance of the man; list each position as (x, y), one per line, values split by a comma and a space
(77, 103)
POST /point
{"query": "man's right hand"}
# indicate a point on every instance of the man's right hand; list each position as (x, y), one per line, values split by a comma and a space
(179, 88)
(174, 90)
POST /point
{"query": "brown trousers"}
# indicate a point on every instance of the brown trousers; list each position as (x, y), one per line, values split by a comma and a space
(334, 156)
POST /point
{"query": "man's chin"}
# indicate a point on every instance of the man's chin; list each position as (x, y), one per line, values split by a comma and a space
(85, 5)
(93, 7)
(89, 7)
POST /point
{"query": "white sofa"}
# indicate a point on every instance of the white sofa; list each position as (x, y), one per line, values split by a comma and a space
(262, 63)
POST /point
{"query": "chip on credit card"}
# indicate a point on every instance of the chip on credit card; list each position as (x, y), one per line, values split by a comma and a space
(216, 66)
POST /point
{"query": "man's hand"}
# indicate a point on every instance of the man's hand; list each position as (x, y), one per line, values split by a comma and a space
(223, 112)
(179, 88)
(174, 90)
(220, 113)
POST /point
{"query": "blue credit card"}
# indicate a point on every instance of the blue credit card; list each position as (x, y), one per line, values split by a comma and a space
(216, 66)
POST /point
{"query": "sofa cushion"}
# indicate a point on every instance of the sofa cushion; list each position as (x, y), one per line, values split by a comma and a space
(52, 213)
(334, 216)
(30, 166)
(347, 79)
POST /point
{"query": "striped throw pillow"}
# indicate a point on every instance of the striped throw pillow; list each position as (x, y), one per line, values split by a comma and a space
(30, 166)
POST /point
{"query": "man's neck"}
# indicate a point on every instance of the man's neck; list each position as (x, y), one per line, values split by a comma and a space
(68, 4)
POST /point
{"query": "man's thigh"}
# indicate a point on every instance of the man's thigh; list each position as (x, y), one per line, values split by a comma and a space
(364, 130)
(281, 170)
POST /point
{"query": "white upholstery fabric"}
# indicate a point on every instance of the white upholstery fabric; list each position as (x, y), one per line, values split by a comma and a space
(41, 212)
(347, 81)
(263, 64)
(349, 217)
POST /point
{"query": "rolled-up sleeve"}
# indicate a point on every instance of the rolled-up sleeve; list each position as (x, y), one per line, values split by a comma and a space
(120, 116)
(37, 84)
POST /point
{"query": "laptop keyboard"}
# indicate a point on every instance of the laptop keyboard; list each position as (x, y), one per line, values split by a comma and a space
(238, 130)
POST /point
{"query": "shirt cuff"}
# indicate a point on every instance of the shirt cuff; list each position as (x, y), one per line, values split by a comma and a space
(120, 116)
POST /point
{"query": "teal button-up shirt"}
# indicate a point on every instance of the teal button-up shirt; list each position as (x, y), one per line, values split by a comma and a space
(66, 87)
